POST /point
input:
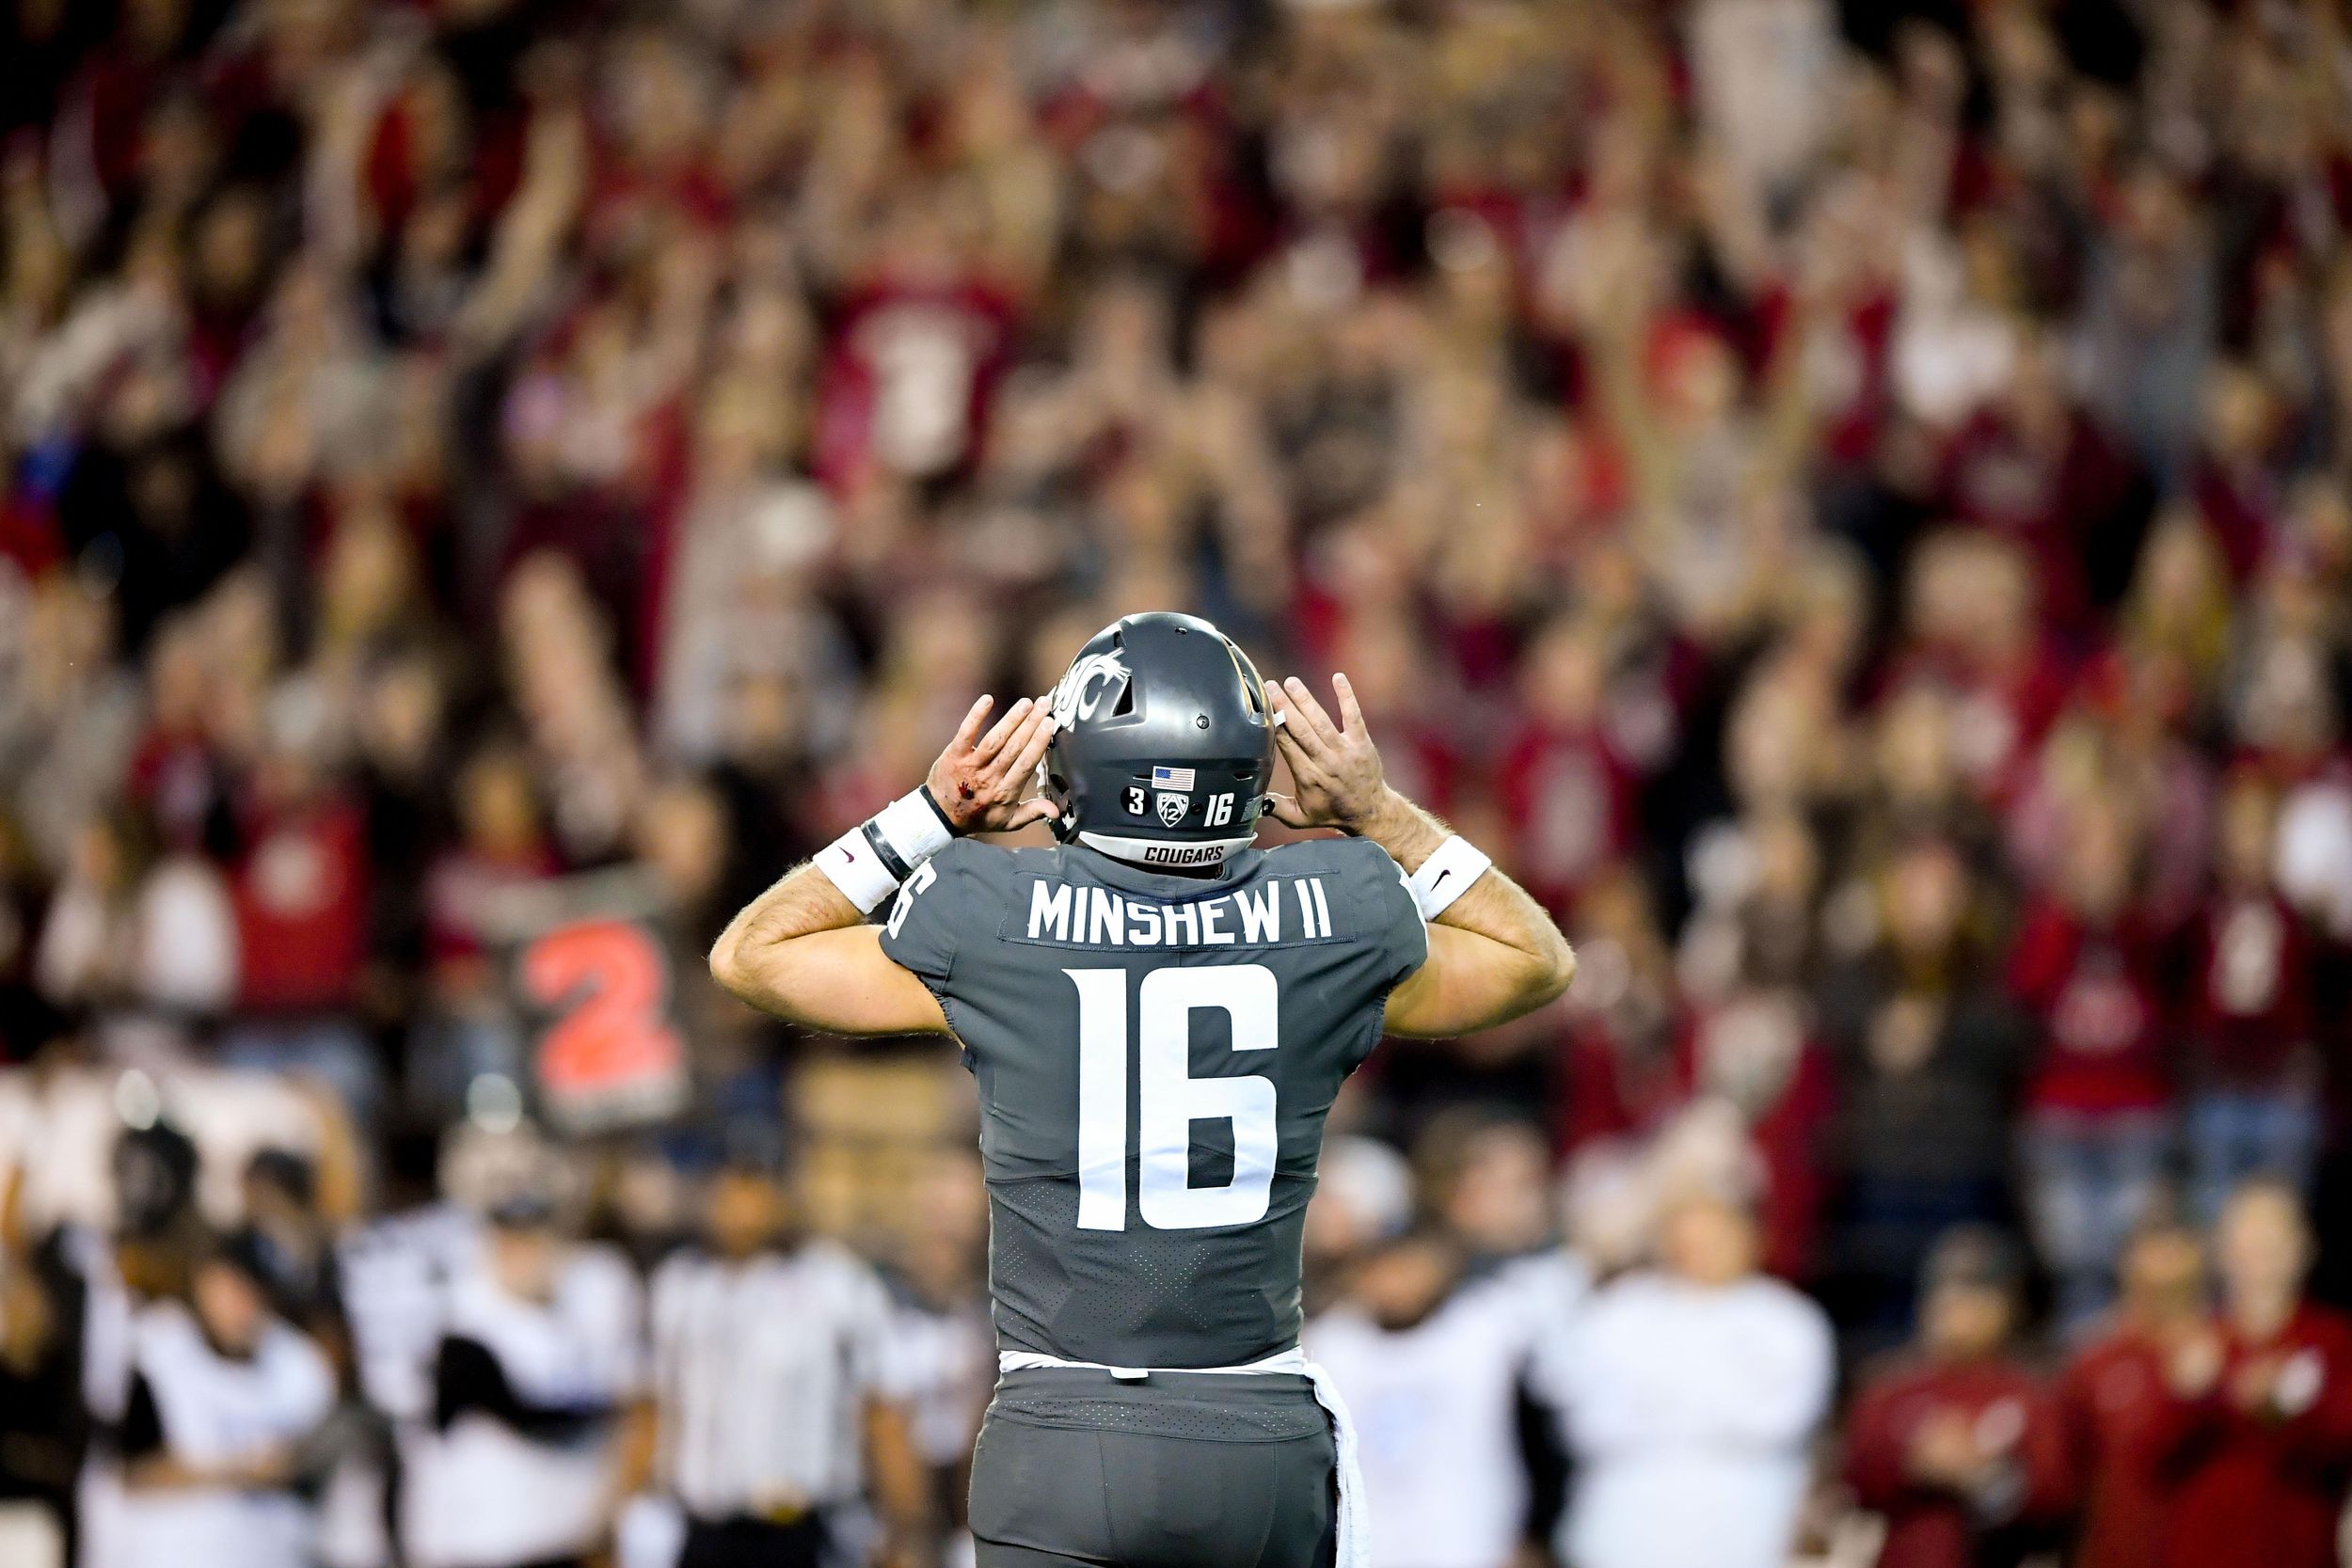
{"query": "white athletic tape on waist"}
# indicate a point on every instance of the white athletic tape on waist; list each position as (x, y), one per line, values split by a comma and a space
(1355, 1523)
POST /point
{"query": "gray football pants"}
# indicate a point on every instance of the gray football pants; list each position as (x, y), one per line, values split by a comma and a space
(1178, 1470)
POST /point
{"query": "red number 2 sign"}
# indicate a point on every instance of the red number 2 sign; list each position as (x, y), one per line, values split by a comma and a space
(611, 1054)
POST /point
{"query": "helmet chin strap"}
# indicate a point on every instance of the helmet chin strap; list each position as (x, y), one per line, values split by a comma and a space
(1161, 854)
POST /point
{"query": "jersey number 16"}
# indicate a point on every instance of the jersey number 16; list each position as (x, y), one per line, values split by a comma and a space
(1169, 1099)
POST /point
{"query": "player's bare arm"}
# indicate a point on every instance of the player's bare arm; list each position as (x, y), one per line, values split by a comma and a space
(1494, 953)
(803, 951)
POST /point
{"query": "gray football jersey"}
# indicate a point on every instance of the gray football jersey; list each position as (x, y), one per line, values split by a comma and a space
(1155, 1057)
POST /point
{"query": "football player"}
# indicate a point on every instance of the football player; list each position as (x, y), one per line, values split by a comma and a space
(1158, 1016)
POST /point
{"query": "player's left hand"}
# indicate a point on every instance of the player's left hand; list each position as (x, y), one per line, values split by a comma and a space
(982, 781)
(1334, 767)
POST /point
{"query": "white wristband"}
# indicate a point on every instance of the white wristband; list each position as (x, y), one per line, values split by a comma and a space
(914, 827)
(869, 861)
(1446, 874)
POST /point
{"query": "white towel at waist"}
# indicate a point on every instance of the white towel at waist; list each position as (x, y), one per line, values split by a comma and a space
(1355, 1523)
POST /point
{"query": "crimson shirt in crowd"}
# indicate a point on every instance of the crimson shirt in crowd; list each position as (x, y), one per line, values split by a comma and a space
(2092, 991)
(2267, 1487)
(1758, 1056)
(2002, 711)
(2251, 1012)
(301, 897)
(2114, 1398)
(907, 379)
(2044, 494)
(1614, 1085)
(1421, 763)
(2240, 508)
(1570, 800)
(2010, 1412)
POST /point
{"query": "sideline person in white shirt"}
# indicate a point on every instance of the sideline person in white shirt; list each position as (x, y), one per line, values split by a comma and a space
(1691, 1393)
(779, 1391)
(538, 1354)
(1430, 1364)
(222, 1394)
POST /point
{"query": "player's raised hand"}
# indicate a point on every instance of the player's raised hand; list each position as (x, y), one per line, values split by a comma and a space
(1334, 767)
(982, 781)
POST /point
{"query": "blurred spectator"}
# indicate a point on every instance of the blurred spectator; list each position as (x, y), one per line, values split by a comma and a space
(778, 1391)
(44, 1424)
(1430, 1364)
(301, 887)
(1752, 1050)
(2253, 1108)
(146, 942)
(1363, 1196)
(2097, 1127)
(1691, 1395)
(1485, 1177)
(223, 1396)
(290, 1233)
(500, 842)
(2033, 467)
(1567, 791)
(536, 1357)
(1962, 1449)
(2116, 1393)
(2256, 1441)
(1929, 1062)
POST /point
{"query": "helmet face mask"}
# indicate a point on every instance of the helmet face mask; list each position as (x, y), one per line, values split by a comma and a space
(1163, 744)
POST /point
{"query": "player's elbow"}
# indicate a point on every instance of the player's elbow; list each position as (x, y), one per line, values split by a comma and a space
(753, 984)
(1539, 976)
(726, 964)
(1554, 970)
(784, 979)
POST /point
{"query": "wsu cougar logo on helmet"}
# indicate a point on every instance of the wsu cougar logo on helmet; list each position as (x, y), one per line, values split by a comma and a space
(1082, 690)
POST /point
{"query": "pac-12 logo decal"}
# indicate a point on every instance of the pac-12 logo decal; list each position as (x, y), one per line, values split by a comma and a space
(1134, 800)
(1091, 680)
(1172, 807)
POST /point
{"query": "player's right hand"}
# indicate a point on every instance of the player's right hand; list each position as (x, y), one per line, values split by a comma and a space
(1335, 769)
(983, 781)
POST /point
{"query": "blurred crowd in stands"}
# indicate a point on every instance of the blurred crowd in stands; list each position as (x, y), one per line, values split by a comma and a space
(1851, 504)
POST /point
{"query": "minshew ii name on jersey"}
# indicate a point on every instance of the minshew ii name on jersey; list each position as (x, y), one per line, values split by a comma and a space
(1280, 909)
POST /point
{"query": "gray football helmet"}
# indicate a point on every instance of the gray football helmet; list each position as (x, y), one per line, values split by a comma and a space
(1164, 745)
